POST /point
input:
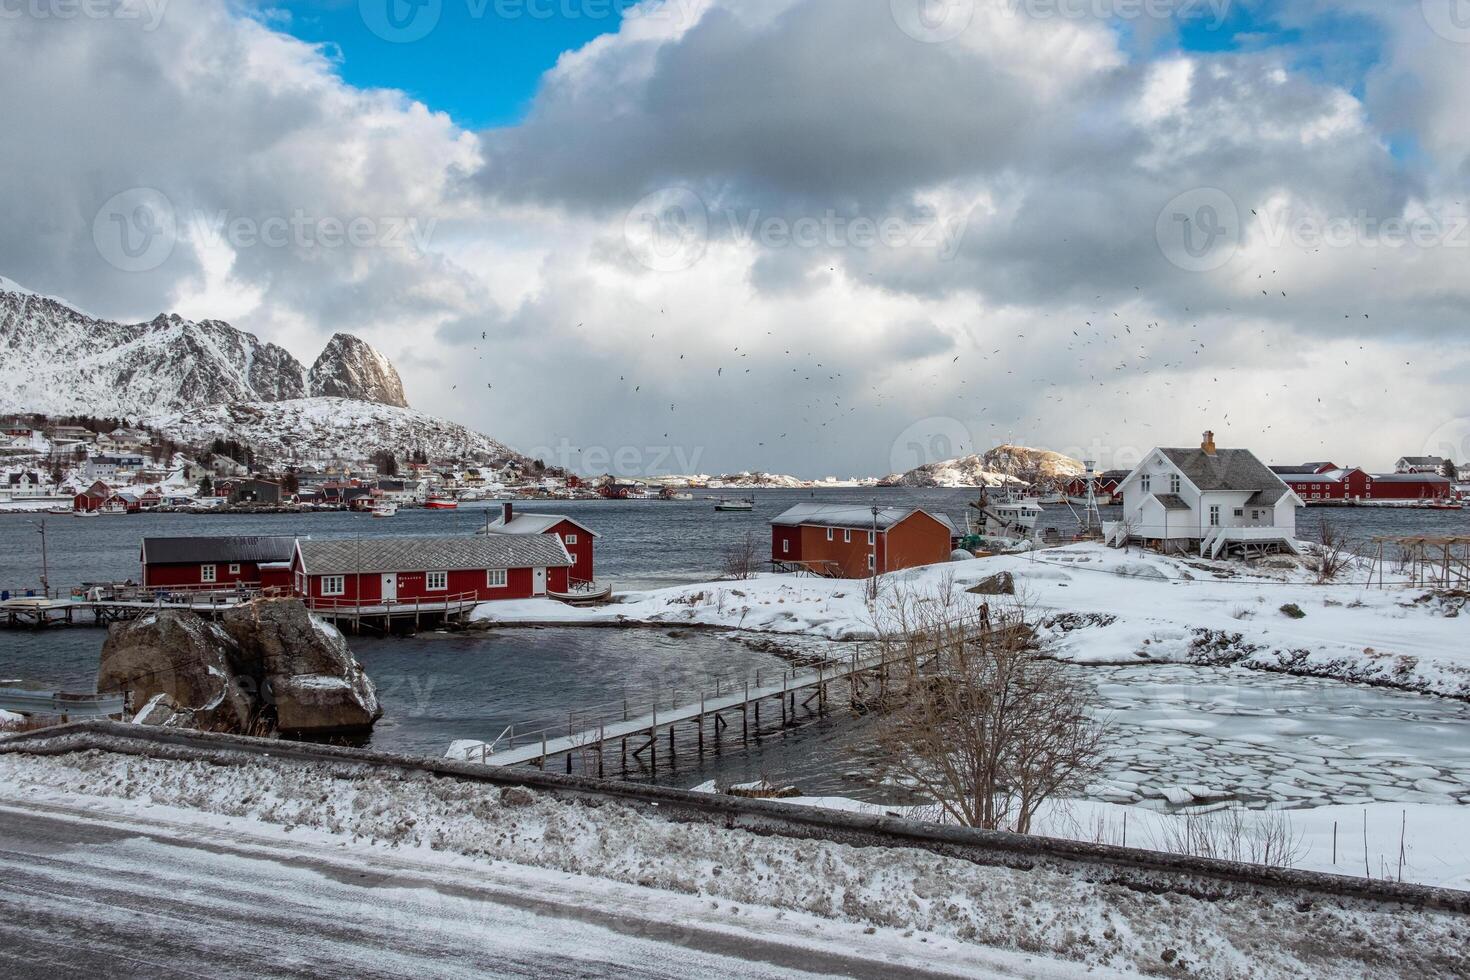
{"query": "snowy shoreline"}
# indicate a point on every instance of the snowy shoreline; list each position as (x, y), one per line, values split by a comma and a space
(1097, 605)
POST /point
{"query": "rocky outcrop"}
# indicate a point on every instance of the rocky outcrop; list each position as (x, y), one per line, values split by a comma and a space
(1001, 466)
(269, 664)
(306, 671)
(183, 657)
(352, 368)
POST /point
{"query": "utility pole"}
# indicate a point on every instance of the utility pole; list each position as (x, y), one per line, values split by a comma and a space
(45, 563)
(873, 570)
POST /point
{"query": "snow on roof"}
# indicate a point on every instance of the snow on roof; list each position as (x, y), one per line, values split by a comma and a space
(838, 515)
(338, 556)
(534, 524)
(1229, 469)
(1423, 460)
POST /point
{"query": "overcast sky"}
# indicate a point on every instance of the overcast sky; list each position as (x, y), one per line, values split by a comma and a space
(825, 237)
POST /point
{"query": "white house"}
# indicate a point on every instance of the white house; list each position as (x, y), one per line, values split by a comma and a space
(1214, 501)
(1419, 464)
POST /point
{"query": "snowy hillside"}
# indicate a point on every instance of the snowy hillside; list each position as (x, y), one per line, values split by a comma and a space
(307, 429)
(57, 360)
(998, 467)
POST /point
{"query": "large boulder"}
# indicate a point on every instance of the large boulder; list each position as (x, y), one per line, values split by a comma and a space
(180, 655)
(303, 667)
(1002, 584)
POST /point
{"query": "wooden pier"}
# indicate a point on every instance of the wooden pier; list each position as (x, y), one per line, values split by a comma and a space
(798, 694)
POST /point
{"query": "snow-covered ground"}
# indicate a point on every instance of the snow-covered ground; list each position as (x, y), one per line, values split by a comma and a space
(874, 897)
(1105, 606)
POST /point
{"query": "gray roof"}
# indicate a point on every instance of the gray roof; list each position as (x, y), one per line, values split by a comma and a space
(533, 524)
(190, 551)
(1173, 501)
(1229, 469)
(347, 555)
(1424, 460)
(843, 515)
(1409, 478)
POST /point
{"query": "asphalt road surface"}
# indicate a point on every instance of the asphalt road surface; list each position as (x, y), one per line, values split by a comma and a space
(86, 894)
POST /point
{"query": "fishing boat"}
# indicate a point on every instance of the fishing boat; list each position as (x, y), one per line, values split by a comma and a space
(1444, 506)
(669, 493)
(59, 510)
(726, 504)
(441, 501)
(86, 513)
(385, 509)
(1006, 515)
(112, 510)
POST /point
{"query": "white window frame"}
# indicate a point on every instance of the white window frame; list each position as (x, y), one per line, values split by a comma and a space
(497, 578)
(830, 535)
(872, 563)
(334, 586)
(1146, 483)
(571, 540)
(847, 535)
(872, 537)
(785, 547)
(208, 574)
(234, 568)
(1240, 512)
(1214, 515)
(1175, 483)
(431, 577)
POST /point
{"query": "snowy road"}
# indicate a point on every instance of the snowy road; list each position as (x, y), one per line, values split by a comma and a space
(89, 893)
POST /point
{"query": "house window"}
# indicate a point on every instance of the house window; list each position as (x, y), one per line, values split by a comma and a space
(847, 536)
(333, 585)
(1214, 516)
(872, 562)
(1239, 512)
(829, 534)
(1255, 515)
(872, 537)
(1174, 485)
(436, 581)
(785, 547)
(1145, 483)
(571, 540)
(207, 574)
(496, 578)
(234, 568)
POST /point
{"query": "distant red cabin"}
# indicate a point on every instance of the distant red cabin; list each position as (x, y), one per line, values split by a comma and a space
(92, 498)
(837, 541)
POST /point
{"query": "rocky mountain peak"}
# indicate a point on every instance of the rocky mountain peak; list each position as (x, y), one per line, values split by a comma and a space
(350, 367)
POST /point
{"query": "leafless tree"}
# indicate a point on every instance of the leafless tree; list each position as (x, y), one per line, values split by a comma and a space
(741, 560)
(1334, 553)
(986, 726)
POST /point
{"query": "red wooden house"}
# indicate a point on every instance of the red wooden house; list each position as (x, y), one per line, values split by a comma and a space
(92, 498)
(1318, 483)
(381, 571)
(837, 541)
(576, 537)
(250, 562)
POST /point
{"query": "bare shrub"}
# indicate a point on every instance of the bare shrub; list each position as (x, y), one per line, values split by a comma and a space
(1233, 834)
(1333, 553)
(986, 727)
(741, 560)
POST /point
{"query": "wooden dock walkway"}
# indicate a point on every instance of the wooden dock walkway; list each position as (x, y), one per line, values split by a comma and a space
(798, 688)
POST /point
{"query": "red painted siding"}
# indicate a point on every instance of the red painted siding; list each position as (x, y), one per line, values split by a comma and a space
(583, 568)
(786, 543)
(368, 587)
(158, 576)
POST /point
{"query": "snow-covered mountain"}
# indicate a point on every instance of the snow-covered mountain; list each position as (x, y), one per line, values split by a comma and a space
(351, 368)
(1000, 466)
(310, 429)
(57, 360)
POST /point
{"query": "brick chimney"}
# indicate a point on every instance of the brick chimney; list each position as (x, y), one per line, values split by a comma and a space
(1209, 444)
